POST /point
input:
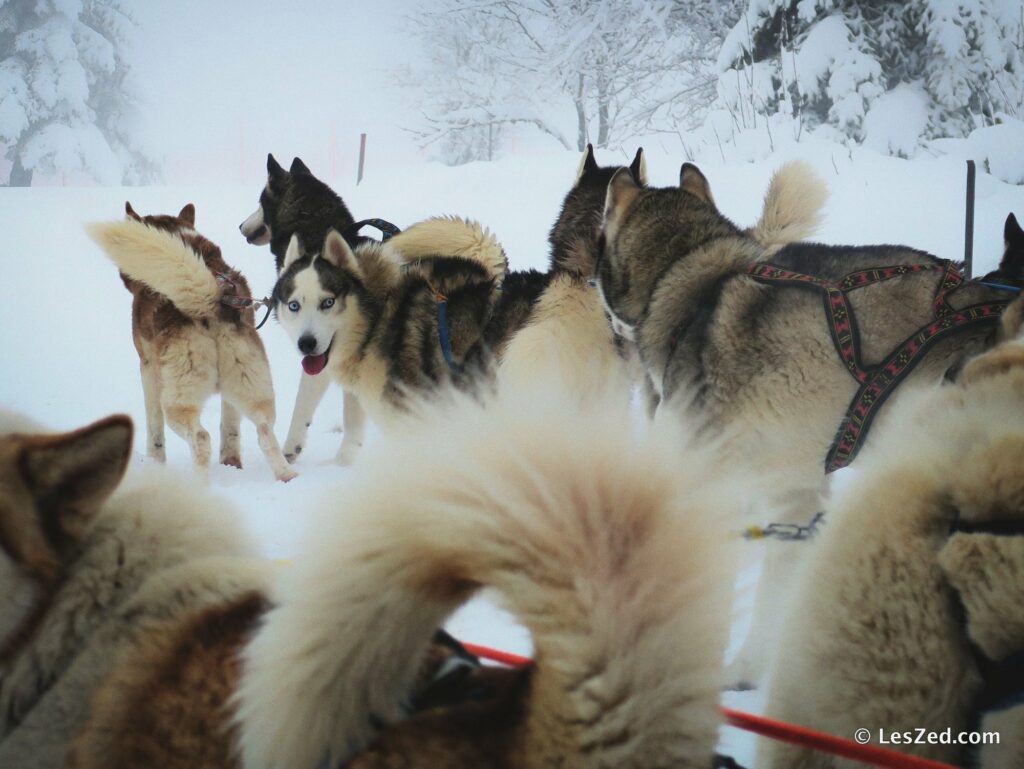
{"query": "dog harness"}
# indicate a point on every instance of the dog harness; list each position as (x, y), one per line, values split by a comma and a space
(238, 302)
(877, 383)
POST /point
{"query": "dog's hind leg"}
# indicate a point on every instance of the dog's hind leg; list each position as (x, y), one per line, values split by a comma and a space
(311, 392)
(184, 420)
(154, 413)
(261, 412)
(245, 382)
(354, 421)
(230, 424)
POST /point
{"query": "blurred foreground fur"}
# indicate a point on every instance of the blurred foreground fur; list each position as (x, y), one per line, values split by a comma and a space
(910, 612)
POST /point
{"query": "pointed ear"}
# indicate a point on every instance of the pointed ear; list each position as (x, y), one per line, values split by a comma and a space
(338, 253)
(130, 212)
(294, 252)
(587, 163)
(71, 475)
(693, 181)
(298, 167)
(622, 191)
(188, 213)
(1012, 233)
(639, 167)
(274, 170)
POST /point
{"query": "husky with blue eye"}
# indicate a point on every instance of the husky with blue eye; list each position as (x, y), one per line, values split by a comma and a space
(387, 320)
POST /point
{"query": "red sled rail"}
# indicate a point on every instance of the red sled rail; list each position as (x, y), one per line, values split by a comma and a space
(776, 730)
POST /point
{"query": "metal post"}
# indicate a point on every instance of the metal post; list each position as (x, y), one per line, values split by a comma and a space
(969, 225)
(362, 157)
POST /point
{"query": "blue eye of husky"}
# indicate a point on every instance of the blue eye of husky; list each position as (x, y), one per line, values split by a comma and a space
(327, 304)
(293, 306)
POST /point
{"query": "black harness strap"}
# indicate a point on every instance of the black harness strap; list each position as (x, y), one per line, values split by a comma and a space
(877, 383)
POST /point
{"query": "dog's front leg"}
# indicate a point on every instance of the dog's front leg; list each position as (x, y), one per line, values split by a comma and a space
(311, 392)
(354, 422)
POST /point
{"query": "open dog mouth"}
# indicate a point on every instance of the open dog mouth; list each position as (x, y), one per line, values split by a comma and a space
(314, 364)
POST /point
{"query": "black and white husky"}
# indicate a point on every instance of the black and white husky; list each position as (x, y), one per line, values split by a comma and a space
(296, 203)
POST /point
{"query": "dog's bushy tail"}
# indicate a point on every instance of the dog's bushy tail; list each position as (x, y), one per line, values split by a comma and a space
(162, 261)
(792, 206)
(609, 547)
(450, 236)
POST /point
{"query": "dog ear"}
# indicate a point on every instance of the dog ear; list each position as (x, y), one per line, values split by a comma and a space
(71, 475)
(1012, 263)
(130, 212)
(639, 167)
(188, 213)
(294, 252)
(1013, 235)
(622, 191)
(587, 163)
(298, 167)
(274, 170)
(338, 253)
(693, 181)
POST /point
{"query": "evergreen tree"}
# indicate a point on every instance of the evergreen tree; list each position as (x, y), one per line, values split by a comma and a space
(828, 61)
(66, 94)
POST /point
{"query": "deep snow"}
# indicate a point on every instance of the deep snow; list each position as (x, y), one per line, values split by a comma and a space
(65, 338)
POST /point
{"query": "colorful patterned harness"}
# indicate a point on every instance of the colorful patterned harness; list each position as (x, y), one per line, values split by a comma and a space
(877, 383)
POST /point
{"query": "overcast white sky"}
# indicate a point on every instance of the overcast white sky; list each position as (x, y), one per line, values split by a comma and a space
(228, 81)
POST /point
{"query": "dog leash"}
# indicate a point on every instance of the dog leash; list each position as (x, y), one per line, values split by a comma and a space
(240, 302)
(443, 330)
(786, 532)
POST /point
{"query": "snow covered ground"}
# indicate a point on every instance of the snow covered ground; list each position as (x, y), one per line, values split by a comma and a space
(65, 337)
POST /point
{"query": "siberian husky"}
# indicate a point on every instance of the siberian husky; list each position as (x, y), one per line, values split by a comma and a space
(909, 613)
(195, 335)
(788, 344)
(123, 610)
(296, 203)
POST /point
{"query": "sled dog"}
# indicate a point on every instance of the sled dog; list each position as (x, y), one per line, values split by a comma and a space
(789, 344)
(88, 571)
(193, 334)
(910, 611)
(564, 327)
(1010, 271)
(295, 202)
(389, 319)
(615, 560)
(123, 610)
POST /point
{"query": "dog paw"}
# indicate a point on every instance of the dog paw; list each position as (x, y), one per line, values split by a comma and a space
(293, 454)
(287, 475)
(232, 461)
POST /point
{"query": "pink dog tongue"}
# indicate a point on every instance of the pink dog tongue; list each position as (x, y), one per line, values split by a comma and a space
(314, 364)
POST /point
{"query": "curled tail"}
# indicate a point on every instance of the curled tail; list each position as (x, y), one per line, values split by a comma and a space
(610, 549)
(162, 261)
(792, 206)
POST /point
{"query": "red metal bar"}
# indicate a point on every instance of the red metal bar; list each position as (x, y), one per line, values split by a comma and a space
(776, 730)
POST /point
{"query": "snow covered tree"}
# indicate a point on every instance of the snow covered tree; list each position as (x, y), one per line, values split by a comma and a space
(66, 93)
(946, 66)
(581, 71)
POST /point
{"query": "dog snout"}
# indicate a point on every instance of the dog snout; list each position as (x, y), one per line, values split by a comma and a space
(307, 343)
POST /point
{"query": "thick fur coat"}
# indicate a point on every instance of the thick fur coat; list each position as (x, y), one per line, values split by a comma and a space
(896, 620)
(86, 571)
(191, 344)
(610, 547)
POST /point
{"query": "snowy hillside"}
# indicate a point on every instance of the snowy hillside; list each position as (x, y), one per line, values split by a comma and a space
(65, 319)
